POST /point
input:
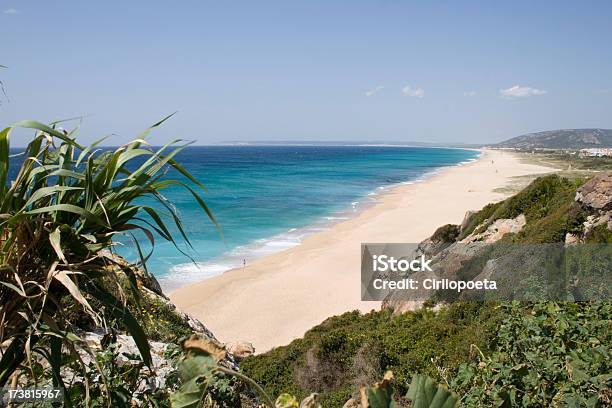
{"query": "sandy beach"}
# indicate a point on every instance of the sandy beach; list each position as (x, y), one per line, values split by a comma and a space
(277, 298)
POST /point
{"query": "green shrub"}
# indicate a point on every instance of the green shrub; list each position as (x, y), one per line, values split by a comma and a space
(429, 342)
(547, 204)
(600, 234)
(161, 322)
(545, 354)
(61, 215)
(446, 233)
(478, 218)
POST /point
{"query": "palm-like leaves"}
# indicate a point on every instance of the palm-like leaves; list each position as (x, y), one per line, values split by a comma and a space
(60, 215)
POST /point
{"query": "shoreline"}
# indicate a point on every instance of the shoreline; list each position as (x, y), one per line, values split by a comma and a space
(252, 251)
(278, 297)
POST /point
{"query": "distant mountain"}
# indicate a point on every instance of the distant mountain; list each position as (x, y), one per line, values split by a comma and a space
(561, 139)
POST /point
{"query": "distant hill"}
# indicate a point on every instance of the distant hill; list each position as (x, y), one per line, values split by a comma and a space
(561, 139)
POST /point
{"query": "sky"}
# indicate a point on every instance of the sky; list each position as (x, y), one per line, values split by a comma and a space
(443, 72)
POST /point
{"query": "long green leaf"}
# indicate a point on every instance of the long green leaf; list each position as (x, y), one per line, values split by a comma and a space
(70, 209)
(4, 159)
(48, 191)
(88, 149)
(32, 124)
(144, 134)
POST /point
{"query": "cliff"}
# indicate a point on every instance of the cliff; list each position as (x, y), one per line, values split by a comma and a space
(509, 241)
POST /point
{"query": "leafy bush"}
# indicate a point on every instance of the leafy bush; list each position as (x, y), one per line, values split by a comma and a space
(600, 234)
(200, 365)
(433, 343)
(60, 217)
(538, 198)
(546, 354)
(161, 322)
(205, 382)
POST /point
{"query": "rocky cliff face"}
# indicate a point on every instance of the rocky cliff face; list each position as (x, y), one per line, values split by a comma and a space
(150, 287)
(595, 198)
(126, 349)
(449, 257)
(596, 194)
(593, 201)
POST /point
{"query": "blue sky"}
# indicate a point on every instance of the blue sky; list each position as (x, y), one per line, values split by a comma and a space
(308, 70)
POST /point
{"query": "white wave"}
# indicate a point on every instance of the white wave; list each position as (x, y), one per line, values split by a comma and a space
(190, 272)
(193, 272)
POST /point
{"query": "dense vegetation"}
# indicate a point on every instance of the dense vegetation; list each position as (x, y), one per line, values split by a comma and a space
(544, 354)
(60, 219)
(352, 350)
(548, 206)
(490, 355)
(511, 354)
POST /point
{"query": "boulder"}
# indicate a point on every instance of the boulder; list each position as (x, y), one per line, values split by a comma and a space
(596, 194)
(240, 349)
(497, 230)
(448, 258)
(571, 239)
(351, 403)
(143, 278)
(466, 221)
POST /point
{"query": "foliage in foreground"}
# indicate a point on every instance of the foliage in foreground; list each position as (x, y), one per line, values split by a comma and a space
(200, 364)
(349, 351)
(60, 218)
(543, 354)
(546, 354)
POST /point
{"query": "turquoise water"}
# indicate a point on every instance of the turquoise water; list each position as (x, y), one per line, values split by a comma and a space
(267, 198)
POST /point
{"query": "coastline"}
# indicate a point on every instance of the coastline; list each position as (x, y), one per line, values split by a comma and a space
(278, 297)
(187, 273)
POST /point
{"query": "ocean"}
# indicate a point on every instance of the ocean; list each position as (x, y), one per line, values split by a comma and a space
(267, 198)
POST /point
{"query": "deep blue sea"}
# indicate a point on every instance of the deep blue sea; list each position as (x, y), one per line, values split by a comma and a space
(267, 198)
